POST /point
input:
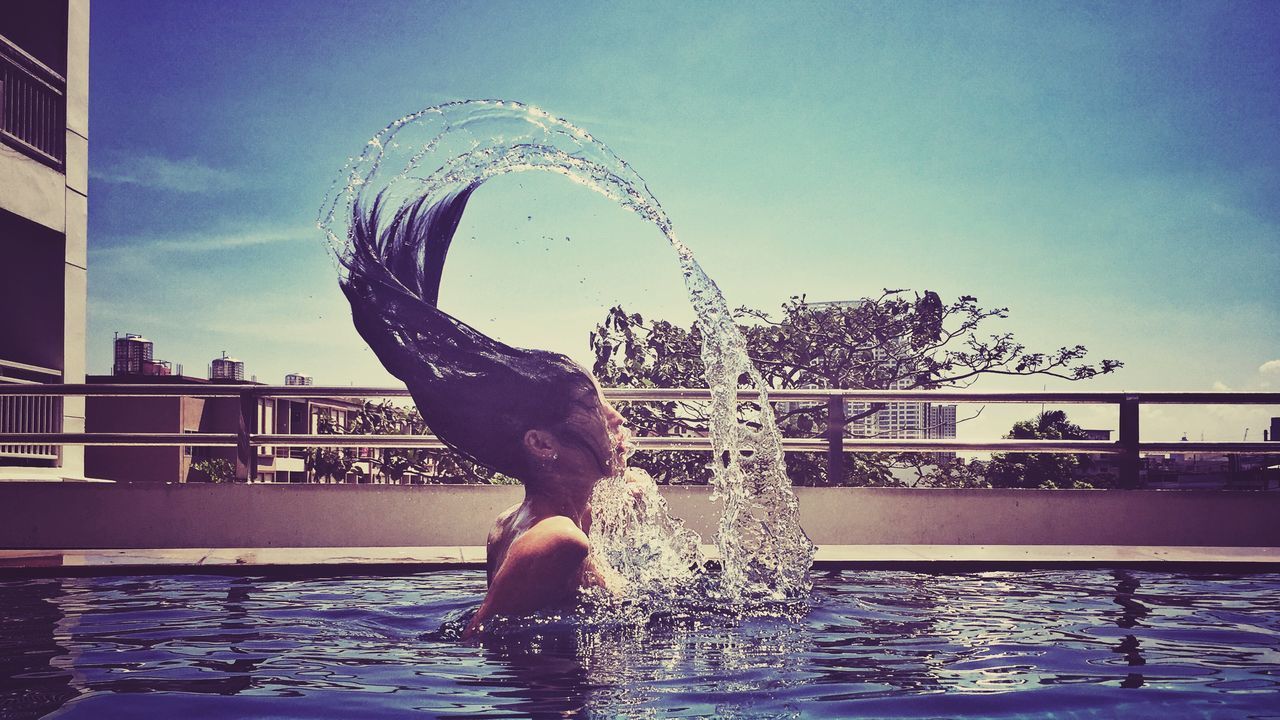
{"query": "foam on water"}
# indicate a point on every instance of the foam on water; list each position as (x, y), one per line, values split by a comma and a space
(765, 555)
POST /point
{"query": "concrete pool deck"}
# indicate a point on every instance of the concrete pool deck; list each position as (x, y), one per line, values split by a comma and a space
(358, 560)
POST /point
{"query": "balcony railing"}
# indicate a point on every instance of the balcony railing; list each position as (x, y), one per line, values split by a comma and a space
(28, 414)
(246, 439)
(33, 106)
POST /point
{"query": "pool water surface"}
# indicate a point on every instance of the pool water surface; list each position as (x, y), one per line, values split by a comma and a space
(1004, 644)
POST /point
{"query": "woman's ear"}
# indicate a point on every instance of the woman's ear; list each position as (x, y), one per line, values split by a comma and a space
(541, 445)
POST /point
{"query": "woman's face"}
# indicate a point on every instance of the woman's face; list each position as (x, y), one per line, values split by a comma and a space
(594, 435)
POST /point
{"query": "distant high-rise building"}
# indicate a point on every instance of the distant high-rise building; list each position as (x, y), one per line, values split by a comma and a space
(895, 420)
(298, 379)
(898, 420)
(226, 368)
(134, 356)
(131, 351)
(942, 421)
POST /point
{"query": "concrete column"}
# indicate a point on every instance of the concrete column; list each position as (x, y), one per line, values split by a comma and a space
(78, 67)
(75, 289)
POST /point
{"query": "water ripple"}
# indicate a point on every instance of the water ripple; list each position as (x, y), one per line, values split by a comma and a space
(882, 644)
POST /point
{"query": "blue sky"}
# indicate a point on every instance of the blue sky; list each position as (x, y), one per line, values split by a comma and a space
(1106, 171)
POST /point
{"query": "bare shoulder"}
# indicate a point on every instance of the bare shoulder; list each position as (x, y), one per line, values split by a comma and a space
(502, 525)
(541, 566)
(557, 535)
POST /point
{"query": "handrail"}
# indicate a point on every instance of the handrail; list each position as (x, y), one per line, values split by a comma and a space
(31, 63)
(39, 369)
(1128, 446)
(431, 442)
(221, 389)
(32, 106)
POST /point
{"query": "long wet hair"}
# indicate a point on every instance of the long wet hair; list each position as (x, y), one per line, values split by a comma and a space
(478, 395)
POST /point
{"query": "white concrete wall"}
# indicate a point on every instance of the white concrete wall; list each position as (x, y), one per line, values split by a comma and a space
(76, 515)
(32, 190)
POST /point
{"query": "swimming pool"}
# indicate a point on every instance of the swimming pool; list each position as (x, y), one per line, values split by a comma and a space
(1031, 643)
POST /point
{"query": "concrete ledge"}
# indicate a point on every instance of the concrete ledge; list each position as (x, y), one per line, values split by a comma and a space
(400, 560)
(33, 190)
(67, 516)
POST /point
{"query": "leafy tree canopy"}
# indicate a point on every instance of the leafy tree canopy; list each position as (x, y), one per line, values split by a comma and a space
(392, 465)
(1043, 470)
(899, 340)
(218, 470)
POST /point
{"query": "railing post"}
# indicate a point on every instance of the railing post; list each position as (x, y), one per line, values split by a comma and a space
(835, 439)
(1130, 462)
(246, 458)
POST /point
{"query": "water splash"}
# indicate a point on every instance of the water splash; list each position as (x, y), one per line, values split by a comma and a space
(446, 148)
(633, 533)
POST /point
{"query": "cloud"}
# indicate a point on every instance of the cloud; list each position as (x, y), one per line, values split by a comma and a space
(1219, 386)
(207, 241)
(185, 176)
(1270, 367)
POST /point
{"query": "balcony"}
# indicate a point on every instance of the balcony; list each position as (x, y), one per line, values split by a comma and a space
(32, 106)
(28, 414)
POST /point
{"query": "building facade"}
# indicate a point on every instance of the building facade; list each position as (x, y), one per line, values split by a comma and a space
(179, 464)
(130, 414)
(44, 187)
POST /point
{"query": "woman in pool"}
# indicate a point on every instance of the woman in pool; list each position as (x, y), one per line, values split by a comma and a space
(530, 414)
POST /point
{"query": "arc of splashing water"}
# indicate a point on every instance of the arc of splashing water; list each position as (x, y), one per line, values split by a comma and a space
(763, 549)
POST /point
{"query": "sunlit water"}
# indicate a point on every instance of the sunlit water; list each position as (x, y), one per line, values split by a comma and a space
(1045, 644)
(765, 554)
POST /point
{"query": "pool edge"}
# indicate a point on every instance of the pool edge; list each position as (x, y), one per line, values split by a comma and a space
(403, 560)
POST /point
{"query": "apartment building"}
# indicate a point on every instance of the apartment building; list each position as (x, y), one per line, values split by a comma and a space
(187, 415)
(44, 186)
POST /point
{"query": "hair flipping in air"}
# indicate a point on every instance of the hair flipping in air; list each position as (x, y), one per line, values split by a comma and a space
(476, 394)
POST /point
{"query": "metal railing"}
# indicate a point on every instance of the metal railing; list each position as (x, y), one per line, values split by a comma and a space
(33, 106)
(27, 414)
(246, 437)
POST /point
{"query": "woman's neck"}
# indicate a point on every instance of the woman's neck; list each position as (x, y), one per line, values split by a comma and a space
(546, 500)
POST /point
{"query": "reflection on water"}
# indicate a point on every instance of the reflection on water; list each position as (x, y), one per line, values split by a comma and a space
(1134, 611)
(995, 644)
(29, 641)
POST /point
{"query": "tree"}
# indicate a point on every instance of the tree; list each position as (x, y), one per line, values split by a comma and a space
(899, 340)
(332, 464)
(1043, 470)
(218, 470)
(392, 464)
